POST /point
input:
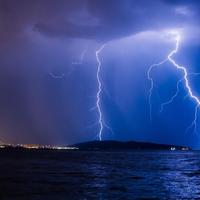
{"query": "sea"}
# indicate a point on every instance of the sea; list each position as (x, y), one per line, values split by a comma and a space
(79, 175)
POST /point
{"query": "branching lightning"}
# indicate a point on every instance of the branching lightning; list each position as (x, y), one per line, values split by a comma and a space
(184, 80)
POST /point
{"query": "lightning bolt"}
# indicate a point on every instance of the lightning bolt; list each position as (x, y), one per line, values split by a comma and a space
(184, 79)
(101, 122)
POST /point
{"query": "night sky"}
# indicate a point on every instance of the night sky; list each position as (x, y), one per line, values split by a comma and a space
(48, 70)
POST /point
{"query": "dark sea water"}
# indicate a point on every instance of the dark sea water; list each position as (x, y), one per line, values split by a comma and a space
(99, 175)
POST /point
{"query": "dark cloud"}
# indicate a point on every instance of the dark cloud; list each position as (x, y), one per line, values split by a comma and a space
(16, 16)
(66, 29)
(116, 20)
(75, 19)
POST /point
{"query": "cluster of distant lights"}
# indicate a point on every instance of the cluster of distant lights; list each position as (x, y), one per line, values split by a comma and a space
(37, 146)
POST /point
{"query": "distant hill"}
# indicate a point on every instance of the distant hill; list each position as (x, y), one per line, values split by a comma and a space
(113, 145)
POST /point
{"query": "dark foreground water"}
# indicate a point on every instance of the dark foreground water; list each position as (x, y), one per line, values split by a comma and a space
(99, 175)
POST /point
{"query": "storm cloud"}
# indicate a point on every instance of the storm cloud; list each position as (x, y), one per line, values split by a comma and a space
(93, 19)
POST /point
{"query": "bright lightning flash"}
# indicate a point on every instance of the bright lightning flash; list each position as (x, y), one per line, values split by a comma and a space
(184, 80)
(101, 121)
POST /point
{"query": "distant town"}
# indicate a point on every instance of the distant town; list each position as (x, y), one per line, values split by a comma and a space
(36, 146)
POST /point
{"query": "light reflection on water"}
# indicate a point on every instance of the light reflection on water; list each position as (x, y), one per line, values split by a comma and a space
(100, 175)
